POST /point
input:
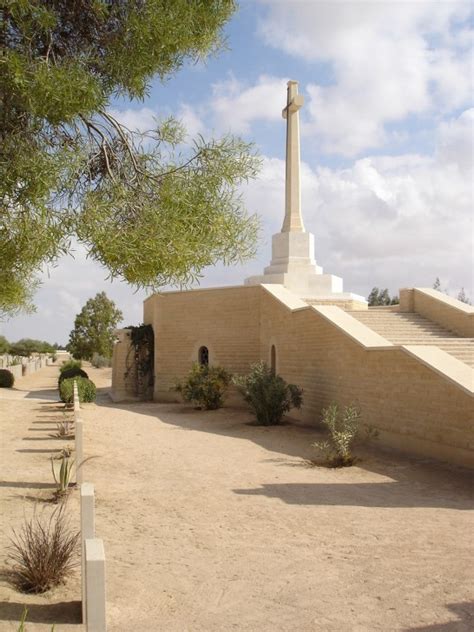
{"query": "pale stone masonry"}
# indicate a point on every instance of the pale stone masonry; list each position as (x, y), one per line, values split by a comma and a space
(293, 261)
(406, 368)
(419, 397)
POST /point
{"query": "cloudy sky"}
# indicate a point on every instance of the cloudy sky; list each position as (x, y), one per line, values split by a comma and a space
(386, 143)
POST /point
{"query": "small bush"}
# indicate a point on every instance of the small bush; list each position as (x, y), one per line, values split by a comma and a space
(205, 386)
(343, 429)
(70, 364)
(43, 552)
(267, 394)
(99, 361)
(7, 379)
(86, 389)
(69, 373)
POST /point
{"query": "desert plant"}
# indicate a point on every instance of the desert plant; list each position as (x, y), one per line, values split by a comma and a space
(205, 386)
(63, 477)
(100, 361)
(64, 428)
(69, 373)
(343, 429)
(22, 628)
(7, 379)
(85, 387)
(267, 394)
(70, 364)
(42, 552)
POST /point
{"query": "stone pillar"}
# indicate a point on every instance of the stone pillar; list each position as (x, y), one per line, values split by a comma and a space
(293, 221)
(95, 585)
(87, 533)
(79, 441)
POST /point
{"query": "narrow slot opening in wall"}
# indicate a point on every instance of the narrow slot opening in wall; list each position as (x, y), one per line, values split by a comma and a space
(203, 356)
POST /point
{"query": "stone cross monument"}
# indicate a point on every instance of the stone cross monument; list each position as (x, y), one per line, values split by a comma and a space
(293, 221)
(293, 264)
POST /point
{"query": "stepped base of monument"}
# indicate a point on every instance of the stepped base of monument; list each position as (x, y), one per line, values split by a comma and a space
(300, 282)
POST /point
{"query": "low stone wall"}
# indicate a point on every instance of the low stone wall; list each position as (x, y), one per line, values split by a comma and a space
(440, 308)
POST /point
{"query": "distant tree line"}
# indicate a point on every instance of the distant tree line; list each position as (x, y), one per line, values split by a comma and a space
(379, 297)
(461, 294)
(27, 346)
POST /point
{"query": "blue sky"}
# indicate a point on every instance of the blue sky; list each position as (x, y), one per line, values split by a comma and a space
(386, 145)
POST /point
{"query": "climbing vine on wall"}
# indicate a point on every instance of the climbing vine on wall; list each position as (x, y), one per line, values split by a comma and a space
(141, 359)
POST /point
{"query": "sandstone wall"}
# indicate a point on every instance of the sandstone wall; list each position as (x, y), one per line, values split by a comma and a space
(224, 320)
(415, 407)
(420, 398)
(440, 308)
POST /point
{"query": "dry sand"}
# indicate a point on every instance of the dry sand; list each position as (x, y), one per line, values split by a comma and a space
(213, 525)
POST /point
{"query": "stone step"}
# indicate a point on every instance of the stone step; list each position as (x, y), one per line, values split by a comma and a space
(408, 328)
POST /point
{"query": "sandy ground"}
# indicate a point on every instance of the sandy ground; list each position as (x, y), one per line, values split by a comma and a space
(214, 525)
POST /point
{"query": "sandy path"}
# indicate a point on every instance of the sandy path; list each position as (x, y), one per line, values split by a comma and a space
(213, 525)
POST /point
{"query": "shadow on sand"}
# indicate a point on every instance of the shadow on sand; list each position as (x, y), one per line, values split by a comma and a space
(463, 611)
(55, 613)
(415, 482)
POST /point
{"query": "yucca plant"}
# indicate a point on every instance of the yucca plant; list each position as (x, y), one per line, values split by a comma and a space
(63, 477)
(64, 428)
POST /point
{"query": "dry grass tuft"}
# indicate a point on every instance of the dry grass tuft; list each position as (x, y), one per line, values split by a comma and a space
(43, 552)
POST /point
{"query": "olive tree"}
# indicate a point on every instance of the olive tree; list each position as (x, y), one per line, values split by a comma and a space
(153, 207)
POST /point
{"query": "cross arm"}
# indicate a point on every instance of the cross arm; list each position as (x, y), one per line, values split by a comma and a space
(294, 105)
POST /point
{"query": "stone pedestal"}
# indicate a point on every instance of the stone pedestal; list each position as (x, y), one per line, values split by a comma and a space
(294, 266)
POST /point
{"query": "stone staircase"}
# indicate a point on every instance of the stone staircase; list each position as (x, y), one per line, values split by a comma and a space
(409, 328)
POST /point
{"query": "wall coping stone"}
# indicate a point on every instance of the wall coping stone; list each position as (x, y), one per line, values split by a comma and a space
(444, 364)
(447, 300)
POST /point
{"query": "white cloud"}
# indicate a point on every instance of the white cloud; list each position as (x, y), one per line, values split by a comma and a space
(141, 119)
(387, 59)
(191, 120)
(385, 220)
(235, 106)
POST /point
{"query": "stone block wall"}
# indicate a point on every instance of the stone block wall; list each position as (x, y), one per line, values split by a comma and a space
(413, 406)
(224, 320)
(440, 308)
(419, 398)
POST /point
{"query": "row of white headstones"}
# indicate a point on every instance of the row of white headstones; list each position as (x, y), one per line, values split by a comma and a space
(92, 548)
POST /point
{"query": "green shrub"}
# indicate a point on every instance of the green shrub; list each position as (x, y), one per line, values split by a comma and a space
(70, 364)
(99, 361)
(205, 386)
(86, 389)
(267, 394)
(7, 379)
(343, 429)
(69, 373)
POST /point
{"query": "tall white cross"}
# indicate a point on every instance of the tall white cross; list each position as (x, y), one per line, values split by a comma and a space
(293, 221)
